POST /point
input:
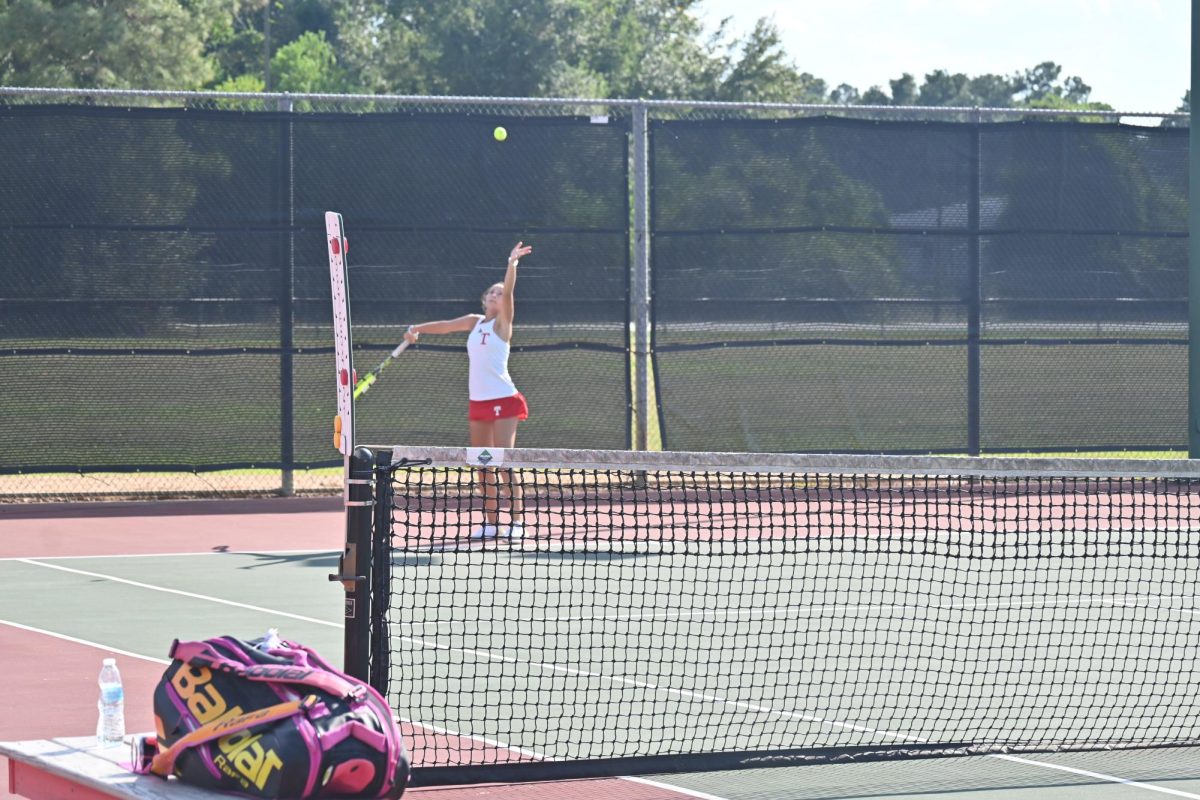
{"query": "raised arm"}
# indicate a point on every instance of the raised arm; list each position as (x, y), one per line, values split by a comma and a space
(508, 303)
(460, 325)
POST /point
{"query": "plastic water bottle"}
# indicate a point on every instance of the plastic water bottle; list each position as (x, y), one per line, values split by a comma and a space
(110, 730)
(270, 641)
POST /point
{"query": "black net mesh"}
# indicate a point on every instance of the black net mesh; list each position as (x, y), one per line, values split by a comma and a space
(654, 612)
(841, 285)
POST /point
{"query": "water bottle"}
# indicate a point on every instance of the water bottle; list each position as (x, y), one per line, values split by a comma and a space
(270, 641)
(110, 730)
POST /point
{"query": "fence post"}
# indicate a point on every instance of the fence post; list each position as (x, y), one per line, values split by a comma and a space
(974, 288)
(641, 277)
(1194, 252)
(287, 435)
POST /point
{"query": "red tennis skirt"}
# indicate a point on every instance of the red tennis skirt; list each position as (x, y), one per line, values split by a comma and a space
(500, 408)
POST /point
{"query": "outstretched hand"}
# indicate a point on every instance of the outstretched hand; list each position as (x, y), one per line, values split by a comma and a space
(518, 252)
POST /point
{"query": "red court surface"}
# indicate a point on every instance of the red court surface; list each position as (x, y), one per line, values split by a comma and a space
(183, 526)
(50, 682)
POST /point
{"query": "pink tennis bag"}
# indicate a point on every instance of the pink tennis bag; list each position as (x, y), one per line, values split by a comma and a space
(271, 720)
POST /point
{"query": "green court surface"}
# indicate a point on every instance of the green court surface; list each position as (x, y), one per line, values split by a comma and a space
(138, 603)
(608, 654)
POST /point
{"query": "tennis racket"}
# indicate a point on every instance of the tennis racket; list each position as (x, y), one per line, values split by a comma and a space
(369, 379)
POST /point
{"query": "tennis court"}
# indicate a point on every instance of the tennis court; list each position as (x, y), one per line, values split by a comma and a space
(687, 623)
(202, 573)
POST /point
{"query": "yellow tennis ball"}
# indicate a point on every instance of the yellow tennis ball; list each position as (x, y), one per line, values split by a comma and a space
(500, 134)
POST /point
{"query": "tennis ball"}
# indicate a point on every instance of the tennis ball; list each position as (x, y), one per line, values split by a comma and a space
(500, 134)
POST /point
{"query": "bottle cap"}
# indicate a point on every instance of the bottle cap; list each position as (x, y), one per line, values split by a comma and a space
(110, 662)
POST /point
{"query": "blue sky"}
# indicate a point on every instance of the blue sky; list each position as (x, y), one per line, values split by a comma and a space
(1133, 53)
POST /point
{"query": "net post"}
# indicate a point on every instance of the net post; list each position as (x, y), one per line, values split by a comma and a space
(354, 567)
(381, 573)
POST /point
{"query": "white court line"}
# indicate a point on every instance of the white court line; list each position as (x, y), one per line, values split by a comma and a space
(483, 739)
(84, 642)
(752, 707)
(184, 555)
(675, 789)
(1098, 775)
(654, 687)
(672, 788)
(556, 668)
(182, 593)
(540, 757)
(118, 651)
(656, 784)
(1124, 601)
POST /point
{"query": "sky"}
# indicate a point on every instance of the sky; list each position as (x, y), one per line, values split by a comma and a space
(1133, 53)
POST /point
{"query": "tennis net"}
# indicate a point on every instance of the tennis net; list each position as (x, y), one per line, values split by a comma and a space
(701, 611)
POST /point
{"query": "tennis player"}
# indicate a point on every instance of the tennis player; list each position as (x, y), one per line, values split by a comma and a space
(496, 407)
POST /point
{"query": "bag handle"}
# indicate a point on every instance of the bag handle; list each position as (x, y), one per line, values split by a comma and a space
(163, 764)
(202, 653)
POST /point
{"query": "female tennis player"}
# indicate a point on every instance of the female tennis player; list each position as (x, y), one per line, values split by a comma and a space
(496, 406)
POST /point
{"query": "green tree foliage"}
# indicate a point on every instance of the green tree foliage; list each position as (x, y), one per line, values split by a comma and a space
(773, 177)
(759, 70)
(141, 44)
(307, 64)
(1037, 87)
(904, 90)
(102, 172)
(650, 49)
(1093, 181)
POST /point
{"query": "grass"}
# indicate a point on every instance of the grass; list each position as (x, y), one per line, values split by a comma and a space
(113, 409)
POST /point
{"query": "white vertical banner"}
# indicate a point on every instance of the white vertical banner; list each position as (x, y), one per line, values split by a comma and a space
(343, 424)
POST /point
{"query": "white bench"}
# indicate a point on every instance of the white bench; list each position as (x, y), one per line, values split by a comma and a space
(76, 769)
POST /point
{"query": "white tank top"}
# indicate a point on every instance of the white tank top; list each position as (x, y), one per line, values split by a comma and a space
(488, 353)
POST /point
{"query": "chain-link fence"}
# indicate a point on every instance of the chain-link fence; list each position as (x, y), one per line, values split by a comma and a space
(706, 276)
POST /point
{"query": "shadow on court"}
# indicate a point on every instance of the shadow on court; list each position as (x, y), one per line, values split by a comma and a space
(318, 560)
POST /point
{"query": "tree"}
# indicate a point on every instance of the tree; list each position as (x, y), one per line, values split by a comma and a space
(943, 89)
(844, 94)
(307, 64)
(1042, 82)
(875, 96)
(991, 91)
(141, 44)
(381, 49)
(237, 44)
(904, 90)
(763, 73)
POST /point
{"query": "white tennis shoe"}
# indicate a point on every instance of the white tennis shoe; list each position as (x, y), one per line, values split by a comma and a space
(515, 531)
(485, 532)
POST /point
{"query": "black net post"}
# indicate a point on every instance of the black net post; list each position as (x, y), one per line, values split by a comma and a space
(354, 568)
(381, 573)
